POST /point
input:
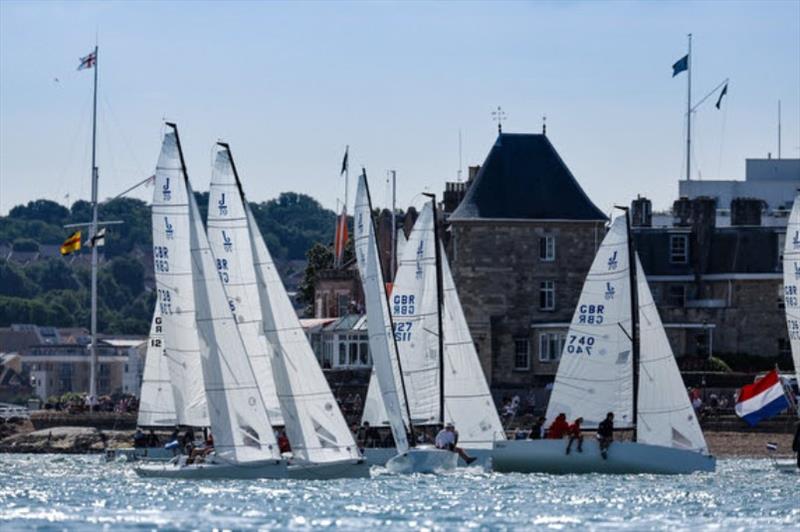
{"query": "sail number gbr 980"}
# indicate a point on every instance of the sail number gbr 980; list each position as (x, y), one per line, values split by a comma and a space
(402, 305)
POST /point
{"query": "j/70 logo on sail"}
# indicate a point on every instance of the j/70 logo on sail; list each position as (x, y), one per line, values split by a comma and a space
(170, 231)
(796, 240)
(223, 207)
(227, 243)
(166, 193)
(612, 261)
(610, 291)
(420, 253)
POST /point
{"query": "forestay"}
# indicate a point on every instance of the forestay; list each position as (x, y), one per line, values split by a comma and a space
(467, 399)
(315, 425)
(791, 282)
(595, 372)
(173, 271)
(229, 237)
(379, 324)
(665, 416)
(156, 403)
(414, 309)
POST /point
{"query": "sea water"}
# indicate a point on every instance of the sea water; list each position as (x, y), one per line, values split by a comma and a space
(84, 492)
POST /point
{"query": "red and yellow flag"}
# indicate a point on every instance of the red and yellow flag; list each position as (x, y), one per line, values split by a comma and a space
(340, 241)
(72, 244)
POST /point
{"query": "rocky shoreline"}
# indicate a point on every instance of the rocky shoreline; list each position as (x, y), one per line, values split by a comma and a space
(21, 438)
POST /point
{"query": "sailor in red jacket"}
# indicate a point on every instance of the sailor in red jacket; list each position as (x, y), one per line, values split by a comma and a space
(559, 428)
(575, 434)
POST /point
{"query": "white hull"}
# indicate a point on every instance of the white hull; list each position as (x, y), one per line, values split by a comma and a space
(786, 466)
(378, 456)
(269, 469)
(423, 459)
(132, 454)
(549, 456)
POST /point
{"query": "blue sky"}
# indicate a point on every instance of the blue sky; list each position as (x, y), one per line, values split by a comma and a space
(290, 84)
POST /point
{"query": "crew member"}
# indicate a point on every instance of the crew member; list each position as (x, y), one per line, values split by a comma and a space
(605, 434)
(575, 434)
(448, 439)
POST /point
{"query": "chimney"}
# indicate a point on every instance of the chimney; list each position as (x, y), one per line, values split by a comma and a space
(473, 171)
(746, 211)
(641, 212)
(682, 211)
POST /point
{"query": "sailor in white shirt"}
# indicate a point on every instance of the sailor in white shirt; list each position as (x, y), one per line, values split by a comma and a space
(447, 439)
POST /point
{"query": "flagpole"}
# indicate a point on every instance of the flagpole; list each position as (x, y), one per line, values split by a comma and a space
(393, 266)
(93, 344)
(689, 112)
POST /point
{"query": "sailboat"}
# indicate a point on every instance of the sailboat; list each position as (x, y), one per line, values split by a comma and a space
(617, 358)
(791, 299)
(285, 366)
(443, 374)
(410, 457)
(200, 331)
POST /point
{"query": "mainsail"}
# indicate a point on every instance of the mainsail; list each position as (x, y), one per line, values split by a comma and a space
(414, 309)
(595, 374)
(156, 402)
(173, 270)
(237, 414)
(791, 283)
(379, 322)
(229, 237)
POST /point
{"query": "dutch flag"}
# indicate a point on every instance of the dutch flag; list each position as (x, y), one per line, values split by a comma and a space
(763, 399)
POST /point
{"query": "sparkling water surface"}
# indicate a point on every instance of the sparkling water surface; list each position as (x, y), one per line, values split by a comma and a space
(84, 492)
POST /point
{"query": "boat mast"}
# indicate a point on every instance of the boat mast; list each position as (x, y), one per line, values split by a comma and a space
(412, 440)
(635, 347)
(439, 303)
(393, 260)
(689, 111)
(93, 232)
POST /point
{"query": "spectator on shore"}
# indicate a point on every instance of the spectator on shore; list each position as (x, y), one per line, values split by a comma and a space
(520, 434)
(559, 428)
(575, 435)
(537, 430)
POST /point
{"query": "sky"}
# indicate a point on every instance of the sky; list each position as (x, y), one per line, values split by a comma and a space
(290, 84)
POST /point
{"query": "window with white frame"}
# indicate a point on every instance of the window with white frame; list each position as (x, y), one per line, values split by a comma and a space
(522, 355)
(550, 345)
(678, 249)
(547, 248)
(547, 295)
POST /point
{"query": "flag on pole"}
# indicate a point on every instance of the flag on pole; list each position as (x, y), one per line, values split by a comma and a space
(340, 240)
(88, 61)
(97, 240)
(721, 95)
(72, 244)
(763, 399)
(680, 65)
(344, 161)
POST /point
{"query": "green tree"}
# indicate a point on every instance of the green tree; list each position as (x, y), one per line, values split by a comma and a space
(14, 282)
(44, 210)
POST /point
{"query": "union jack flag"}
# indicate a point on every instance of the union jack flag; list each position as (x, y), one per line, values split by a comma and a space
(88, 62)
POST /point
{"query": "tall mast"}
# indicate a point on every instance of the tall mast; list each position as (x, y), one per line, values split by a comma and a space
(689, 111)
(634, 319)
(412, 440)
(439, 304)
(779, 129)
(393, 259)
(93, 232)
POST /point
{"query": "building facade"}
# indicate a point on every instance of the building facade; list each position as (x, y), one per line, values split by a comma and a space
(521, 242)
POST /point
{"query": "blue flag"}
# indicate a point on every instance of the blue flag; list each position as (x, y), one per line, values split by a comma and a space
(680, 65)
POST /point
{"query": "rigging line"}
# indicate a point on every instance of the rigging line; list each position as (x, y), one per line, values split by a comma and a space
(82, 126)
(110, 114)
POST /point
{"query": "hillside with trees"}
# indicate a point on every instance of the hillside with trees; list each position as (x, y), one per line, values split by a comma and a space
(39, 286)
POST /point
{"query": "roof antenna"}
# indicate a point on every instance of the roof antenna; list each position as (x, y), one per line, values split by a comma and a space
(499, 115)
(544, 125)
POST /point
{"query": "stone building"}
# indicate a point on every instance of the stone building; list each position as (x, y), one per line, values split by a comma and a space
(718, 288)
(521, 242)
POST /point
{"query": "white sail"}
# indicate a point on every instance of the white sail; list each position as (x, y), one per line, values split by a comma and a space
(315, 425)
(229, 237)
(467, 399)
(173, 272)
(400, 243)
(595, 372)
(374, 409)
(664, 415)
(156, 400)
(414, 307)
(381, 336)
(791, 282)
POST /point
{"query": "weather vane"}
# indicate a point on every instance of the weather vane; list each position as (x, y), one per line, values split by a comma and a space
(499, 115)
